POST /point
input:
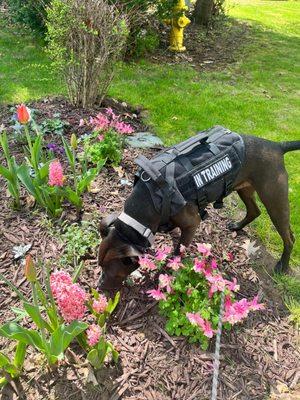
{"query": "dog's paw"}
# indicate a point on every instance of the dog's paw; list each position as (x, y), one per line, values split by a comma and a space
(233, 226)
(280, 268)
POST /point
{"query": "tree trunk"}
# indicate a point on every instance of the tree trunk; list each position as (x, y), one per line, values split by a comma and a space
(203, 12)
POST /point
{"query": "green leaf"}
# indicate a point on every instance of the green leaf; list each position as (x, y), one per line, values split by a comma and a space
(14, 331)
(20, 355)
(114, 353)
(35, 315)
(44, 171)
(6, 173)
(73, 197)
(112, 304)
(69, 152)
(63, 336)
(93, 358)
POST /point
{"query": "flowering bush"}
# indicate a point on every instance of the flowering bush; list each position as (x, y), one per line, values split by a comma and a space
(106, 141)
(189, 294)
(58, 315)
(44, 178)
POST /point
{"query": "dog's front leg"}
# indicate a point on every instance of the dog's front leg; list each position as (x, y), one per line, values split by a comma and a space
(188, 220)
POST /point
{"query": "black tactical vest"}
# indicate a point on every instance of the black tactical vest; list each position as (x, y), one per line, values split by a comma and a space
(202, 170)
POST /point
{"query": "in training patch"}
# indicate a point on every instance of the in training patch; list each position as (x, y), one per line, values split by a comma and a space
(213, 171)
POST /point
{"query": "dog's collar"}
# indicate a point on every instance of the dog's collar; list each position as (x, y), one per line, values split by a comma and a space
(137, 226)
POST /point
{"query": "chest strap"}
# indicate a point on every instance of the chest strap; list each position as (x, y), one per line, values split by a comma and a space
(136, 225)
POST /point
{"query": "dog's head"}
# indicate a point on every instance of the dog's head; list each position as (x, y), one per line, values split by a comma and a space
(116, 257)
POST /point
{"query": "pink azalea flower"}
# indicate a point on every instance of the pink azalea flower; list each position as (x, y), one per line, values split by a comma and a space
(214, 264)
(162, 253)
(109, 112)
(218, 284)
(182, 249)
(175, 264)
(204, 248)
(196, 319)
(236, 312)
(100, 305)
(147, 263)
(56, 176)
(229, 257)
(254, 305)
(100, 122)
(165, 281)
(232, 285)
(199, 265)
(157, 294)
(100, 138)
(93, 334)
(122, 127)
(81, 122)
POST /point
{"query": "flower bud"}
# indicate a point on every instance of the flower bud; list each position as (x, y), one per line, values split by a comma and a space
(23, 114)
(73, 141)
(30, 271)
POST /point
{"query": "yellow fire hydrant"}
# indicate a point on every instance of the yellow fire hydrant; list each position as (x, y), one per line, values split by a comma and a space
(178, 23)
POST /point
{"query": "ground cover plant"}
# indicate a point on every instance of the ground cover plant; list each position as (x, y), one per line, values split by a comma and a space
(190, 292)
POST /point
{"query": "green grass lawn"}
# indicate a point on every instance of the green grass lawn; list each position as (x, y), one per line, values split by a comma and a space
(259, 94)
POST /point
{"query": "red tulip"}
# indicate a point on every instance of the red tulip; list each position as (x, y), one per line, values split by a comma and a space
(30, 271)
(23, 114)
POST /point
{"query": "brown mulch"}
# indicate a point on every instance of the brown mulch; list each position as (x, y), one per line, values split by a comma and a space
(206, 49)
(258, 357)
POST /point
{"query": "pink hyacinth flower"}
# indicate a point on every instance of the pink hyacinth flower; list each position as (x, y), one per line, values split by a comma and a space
(204, 248)
(175, 264)
(162, 253)
(57, 280)
(147, 263)
(100, 305)
(56, 176)
(93, 334)
(70, 297)
(214, 264)
(157, 294)
(71, 302)
(196, 319)
(165, 281)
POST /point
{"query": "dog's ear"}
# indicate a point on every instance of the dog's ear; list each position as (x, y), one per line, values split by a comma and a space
(106, 223)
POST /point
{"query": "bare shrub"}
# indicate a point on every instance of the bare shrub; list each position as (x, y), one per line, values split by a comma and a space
(85, 40)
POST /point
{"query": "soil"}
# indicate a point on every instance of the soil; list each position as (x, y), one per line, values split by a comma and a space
(258, 357)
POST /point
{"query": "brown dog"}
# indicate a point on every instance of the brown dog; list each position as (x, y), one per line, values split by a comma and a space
(263, 171)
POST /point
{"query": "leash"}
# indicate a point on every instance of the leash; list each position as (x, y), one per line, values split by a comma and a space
(216, 364)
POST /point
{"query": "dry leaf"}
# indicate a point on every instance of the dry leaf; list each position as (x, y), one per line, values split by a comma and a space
(250, 248)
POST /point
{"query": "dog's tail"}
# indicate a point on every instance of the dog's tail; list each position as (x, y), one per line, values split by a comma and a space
(290, 146)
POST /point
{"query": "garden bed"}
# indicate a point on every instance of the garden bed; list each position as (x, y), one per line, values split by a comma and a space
(257, 356)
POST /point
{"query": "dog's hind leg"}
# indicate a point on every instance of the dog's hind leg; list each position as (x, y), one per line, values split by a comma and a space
(247, 195)
(274, 196)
